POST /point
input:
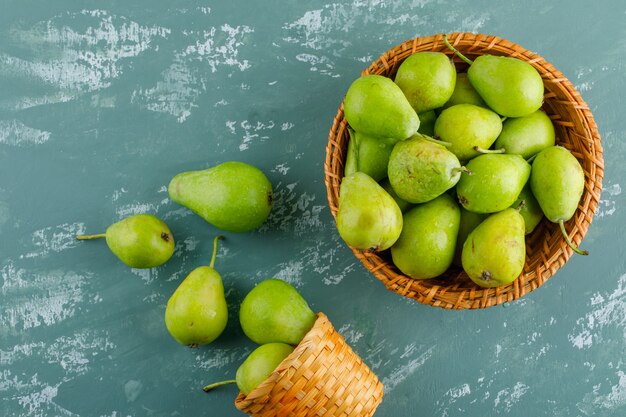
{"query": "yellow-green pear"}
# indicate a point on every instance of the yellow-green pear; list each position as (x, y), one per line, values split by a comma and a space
(426, 245)
(257, 367)
(368, 154)
(233, 196)
(495, 183)
(427, 80)
(495, 251)
(140, 240)
(557, 181)
(376, 106)
(510, 87)
(368, 218)
(197, 313)
(274, 311)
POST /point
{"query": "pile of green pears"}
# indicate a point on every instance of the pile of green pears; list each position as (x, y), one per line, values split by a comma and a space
(235, 197)
(450, 169)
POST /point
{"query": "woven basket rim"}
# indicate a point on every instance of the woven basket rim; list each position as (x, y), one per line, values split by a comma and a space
(437, 292)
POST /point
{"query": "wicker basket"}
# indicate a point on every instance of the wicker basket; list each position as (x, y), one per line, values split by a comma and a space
(546, 250)
(321, 377)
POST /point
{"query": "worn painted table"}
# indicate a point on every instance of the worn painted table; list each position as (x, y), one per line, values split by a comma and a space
(101, 103)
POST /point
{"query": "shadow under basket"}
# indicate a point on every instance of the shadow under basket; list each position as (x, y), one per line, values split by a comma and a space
(321, 377)
(546, 249)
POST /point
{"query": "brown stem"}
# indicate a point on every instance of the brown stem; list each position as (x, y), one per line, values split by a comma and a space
(569, 242)
(218, 384)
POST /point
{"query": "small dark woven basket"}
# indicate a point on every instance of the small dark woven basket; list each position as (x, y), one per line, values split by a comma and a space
(546, 250)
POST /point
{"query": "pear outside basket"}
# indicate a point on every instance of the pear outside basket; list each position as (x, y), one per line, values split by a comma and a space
(546, 250)
(321, 377)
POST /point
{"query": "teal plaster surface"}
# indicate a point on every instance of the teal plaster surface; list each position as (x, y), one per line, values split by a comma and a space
(102, 103)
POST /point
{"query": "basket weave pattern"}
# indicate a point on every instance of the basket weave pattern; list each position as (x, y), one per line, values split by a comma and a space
(546, 250)
(321, 377)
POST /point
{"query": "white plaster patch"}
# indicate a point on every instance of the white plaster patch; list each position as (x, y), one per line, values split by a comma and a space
(291, 272)
(596, 403)
(130, 209)
(85, 60)
(352, 336)
(608, 310)
(321, 64)
(73, 353)
(191, 243)
(38, 299)
(18, 352)
(54, 239)
(335, 279)
(220, 47)
(34, 396)
(184, 80)
(323, 33)
(281, 168)
(147, 275)
(508, 397)
(175, 94)
(221, 358)
(458, 392)
(132, 390)
(608, 205)
(400, 373)
(16, 133)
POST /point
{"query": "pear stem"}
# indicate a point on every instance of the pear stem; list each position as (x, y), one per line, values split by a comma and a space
(462, 169)
(89, 237)
(217, 239)
(482, 150)
(503, 119)
(456, 52)
(569, 242)
(433, 140)
(529, 160)
(218, 384)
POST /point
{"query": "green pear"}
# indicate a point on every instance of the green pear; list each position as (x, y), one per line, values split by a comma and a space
(495, 183)
(427, 80)
(421, 170)
(469, 221)
(260, 364)
(526, 135)
(257, 367)
(368, 154)
(197, 313)
(465, 127)
(464, 93)
(529, 208)
(495, 251)
(427, 123)
(274, 311)
(402, 204)
(233, 196)
(557, 180)
(367, 218)
(140, 240)
(376, 106)
(426, 245)
(351, 164)
(510, 87)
